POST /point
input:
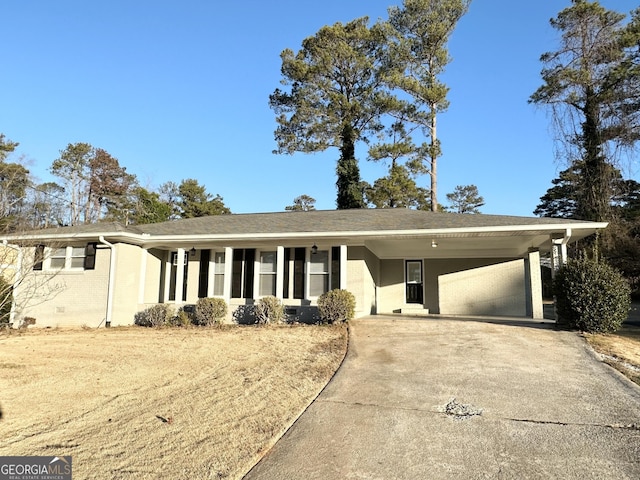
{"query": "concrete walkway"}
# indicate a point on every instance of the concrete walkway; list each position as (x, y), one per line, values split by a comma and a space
(463, 398)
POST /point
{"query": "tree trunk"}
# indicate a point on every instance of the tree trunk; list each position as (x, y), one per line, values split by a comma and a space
(434, 162)
(596, 182)
(348, 183)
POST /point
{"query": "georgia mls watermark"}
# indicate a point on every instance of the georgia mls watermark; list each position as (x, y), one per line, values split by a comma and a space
(35, 468)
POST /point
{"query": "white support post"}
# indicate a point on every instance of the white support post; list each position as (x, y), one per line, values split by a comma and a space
(180, 275)
(167, 277)
(343, 266)
(280, 272)
(211, 272)
(559, 251)
(533, 284)
(228, 271)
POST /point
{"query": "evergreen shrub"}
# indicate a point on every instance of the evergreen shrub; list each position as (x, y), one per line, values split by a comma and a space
(269, 310)
(336, 306)
(591, 296)
(154, 316)
(210, 311)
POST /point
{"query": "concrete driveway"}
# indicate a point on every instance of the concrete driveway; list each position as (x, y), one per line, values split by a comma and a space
(464, 398)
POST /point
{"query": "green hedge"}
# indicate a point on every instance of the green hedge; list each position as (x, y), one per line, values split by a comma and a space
(591, 296)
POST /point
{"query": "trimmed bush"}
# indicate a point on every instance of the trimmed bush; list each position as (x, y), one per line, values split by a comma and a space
(591, 296)
(155, 316)
(269, 310)
(336, 306)
(210, 311)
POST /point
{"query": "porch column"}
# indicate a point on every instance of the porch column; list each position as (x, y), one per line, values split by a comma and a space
(211, 272)
(343, 267)
(533, 284)
(167, 277)
(179, 275)
(559, 251)
(280, 272)
(228, 271)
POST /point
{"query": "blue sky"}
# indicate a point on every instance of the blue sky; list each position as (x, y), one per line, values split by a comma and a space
(180, 90)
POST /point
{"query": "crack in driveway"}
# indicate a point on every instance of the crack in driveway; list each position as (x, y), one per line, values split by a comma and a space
(478, 412)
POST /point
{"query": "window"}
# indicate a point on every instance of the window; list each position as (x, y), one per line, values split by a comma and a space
(77, 257)
(218, 274)
(67, 258)
(319, 273)
(58, 258)
(268, 269)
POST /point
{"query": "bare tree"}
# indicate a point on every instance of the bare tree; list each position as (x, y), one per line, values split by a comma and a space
(21, 281)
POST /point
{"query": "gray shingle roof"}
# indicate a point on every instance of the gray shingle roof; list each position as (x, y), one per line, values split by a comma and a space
(360, 220)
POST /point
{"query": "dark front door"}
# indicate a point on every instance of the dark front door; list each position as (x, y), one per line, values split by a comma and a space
(413, 275)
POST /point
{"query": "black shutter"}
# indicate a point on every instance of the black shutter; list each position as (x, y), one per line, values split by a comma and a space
(236, 273)
(298, 273)
(287, 259)
(38, 257)
(249, 259)
(203, 283)
(335, 267)
(90, 256)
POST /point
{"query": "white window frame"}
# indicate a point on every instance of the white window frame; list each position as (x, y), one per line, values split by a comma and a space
(261, 273)
(68, 258)
(309, 273)
(218, 276)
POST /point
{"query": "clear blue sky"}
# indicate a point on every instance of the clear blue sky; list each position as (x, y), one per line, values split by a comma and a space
(180, 90)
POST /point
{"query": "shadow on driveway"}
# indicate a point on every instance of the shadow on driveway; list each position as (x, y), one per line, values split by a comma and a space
(453, 398)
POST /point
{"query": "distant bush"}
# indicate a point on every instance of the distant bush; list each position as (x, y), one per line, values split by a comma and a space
(210, 311)
(591, 296)
(336, 306)
(269, 310)
(155, 316)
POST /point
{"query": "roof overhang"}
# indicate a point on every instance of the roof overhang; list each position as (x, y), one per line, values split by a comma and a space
(469, 242)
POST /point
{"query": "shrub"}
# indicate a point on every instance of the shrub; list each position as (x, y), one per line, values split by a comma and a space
(6, 299)
(336, 306)
(26, 321)
(591, 296)
(181, 319)
(210, 311)
(269, 310)
(155, 316)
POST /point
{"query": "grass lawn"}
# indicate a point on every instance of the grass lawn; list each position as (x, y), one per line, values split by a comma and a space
(160, 403)
(621, 350)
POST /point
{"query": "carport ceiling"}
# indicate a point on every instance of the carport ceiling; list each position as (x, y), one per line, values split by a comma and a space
(504, 245)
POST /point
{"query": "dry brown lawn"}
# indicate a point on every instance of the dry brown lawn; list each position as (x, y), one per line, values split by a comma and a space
(170, 403)
(621, 350)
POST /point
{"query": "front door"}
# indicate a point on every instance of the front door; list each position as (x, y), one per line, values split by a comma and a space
(413, 275)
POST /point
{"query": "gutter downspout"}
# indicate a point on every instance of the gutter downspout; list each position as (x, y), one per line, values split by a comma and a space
(112, 267)
(16, 279)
